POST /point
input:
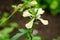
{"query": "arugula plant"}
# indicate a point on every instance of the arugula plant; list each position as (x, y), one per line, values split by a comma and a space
(33, 11)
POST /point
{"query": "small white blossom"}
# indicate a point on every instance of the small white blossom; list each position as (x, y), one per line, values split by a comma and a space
(38, 16)
(33, 2)
(29, 24)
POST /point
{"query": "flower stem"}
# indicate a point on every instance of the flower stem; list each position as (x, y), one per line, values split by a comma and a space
(12, 14)
(29, 34)
(15, 10)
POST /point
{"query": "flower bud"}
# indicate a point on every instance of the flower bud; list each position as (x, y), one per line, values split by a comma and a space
(26, 13)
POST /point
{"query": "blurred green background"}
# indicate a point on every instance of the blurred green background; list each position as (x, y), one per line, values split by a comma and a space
(52, 6)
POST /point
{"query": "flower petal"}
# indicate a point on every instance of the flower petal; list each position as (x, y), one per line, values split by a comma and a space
(38, 16)
(40, 11)
(45, 22)
(29, 24)
(26, 14)
(36, 9)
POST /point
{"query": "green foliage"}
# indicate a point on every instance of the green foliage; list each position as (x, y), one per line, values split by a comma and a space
(52, 5)
(4, 33)
(14, 24)
(36, 38)
(28, 35)
(4, 37)
(22, 32)
(17, 36)
(58, 38)
(3, 19)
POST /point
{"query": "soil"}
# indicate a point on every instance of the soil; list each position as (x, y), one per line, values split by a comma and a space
(46, 32)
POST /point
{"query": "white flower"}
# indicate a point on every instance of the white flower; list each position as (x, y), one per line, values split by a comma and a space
(33, 3)
(30, 24)
(37, 16)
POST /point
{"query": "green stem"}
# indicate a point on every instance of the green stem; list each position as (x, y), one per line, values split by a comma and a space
(12, 14)
(16, 9)
(29, 36)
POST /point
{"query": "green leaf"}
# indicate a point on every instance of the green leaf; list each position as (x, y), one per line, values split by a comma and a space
(14, 24)
(36, 38)
(4, 37)
(3, 21)
(7, 30)
(5, 14)
(22, 32)
(54, 5)
(15, 37)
